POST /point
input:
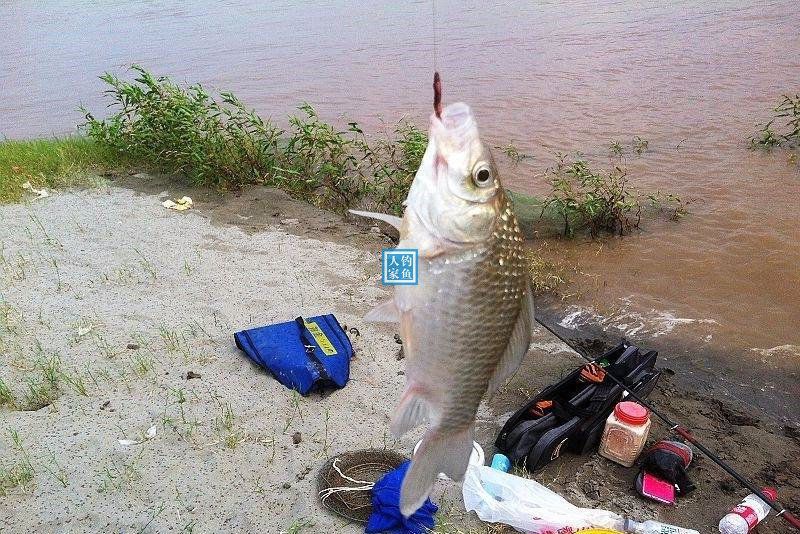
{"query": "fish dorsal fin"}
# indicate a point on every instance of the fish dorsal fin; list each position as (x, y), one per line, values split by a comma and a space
(389, 219)
(517, 346)
(385, 312)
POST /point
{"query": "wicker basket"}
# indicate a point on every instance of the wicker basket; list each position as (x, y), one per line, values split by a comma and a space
(367, 465)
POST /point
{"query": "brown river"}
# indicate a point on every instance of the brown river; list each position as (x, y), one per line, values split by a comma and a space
(693, 78)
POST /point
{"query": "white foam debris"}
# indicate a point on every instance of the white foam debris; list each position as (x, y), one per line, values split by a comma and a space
(779, 350)
(652, 323)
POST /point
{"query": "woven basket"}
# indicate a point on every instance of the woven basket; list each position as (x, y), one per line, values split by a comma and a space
(368, 465)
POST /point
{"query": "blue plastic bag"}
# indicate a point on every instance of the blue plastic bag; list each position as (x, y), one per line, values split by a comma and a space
(386, 516)
(304, 354)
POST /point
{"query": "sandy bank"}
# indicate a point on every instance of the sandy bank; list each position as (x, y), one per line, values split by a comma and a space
(132, 296)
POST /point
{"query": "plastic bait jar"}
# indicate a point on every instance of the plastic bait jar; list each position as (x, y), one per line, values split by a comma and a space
(625, 433)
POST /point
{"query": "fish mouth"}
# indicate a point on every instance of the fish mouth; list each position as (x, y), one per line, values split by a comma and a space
(457, 117)
(454, 125)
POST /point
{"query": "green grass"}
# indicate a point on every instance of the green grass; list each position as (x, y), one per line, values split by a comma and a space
(15, 472)
(13, 475)
(547, 276)
(53, 164)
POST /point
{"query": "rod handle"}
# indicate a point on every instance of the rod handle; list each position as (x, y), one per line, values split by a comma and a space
(791, 519)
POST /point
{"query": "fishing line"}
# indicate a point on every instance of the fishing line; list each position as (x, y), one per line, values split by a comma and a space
(435, 38)
(437, 81)
(684, 433)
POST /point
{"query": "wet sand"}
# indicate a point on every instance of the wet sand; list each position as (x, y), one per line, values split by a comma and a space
(133, 296)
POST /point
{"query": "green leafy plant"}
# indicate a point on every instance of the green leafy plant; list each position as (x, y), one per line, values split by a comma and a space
(671, 204)
(789, 135)
(513, 153)
(221, 143)
(640, 145)
(599, 201)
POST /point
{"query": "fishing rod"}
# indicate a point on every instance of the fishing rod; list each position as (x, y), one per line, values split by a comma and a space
(687, 435)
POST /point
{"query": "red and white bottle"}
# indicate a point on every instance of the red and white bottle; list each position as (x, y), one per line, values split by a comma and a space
(749, 513)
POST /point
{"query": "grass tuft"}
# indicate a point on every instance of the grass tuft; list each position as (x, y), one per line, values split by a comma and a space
(546, 276)
(14, 475)
(53, 164)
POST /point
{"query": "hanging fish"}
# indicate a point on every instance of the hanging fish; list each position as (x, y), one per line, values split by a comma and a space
(467, 324)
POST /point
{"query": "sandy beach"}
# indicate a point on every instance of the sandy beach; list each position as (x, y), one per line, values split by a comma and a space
(124, 299)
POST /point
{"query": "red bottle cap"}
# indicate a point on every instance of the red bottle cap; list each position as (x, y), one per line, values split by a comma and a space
(772, 493)
(631, 412)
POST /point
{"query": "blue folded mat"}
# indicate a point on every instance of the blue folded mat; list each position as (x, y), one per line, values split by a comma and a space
(304, 354)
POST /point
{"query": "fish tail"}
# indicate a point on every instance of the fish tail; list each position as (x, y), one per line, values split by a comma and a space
(445, 452)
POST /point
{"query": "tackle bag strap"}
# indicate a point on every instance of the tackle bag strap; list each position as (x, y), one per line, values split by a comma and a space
(311, 349)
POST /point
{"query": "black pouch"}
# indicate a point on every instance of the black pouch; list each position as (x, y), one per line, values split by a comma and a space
(570, 415)
(669, 461)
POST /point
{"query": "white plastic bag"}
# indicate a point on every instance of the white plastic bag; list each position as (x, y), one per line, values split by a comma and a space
(526, 505)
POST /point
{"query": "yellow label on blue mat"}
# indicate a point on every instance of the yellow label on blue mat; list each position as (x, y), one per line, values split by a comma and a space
(321, 339)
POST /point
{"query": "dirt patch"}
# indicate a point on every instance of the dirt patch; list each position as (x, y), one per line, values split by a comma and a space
(757, 445)
(257, 208)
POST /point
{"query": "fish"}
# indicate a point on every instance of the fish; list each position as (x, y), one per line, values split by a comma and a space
(466, 325)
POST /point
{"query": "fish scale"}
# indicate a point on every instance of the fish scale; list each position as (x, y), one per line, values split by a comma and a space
(484, 291)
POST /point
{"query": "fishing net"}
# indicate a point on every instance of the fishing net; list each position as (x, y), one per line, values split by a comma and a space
(344, 484)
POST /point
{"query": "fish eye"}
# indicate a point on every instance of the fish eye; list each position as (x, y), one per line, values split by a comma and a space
(482, 176)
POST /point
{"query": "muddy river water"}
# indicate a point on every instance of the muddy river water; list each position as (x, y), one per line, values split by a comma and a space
(693, 78)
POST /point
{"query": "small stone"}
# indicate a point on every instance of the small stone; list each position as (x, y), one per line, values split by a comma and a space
(375, 230)
(591, 489)
(286, 485)
(301, 475)
(133, 346)
(105, 405)
(400, 354)
(191, 374)
(400, 373)
(297, 437)
(290, 221)
(397, 339)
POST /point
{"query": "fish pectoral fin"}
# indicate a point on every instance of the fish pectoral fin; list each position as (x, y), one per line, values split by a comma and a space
(385, 312)
(385, 217)
(441, 451)
(411, 412)
(517, 346)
